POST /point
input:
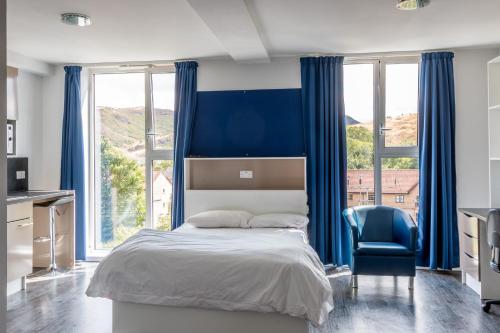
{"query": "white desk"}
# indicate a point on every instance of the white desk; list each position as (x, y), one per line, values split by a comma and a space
(475, 253)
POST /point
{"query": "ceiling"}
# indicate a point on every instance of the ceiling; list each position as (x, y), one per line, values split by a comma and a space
(246, 30)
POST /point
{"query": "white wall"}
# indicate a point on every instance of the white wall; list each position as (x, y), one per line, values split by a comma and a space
(212, 75)
(225, 74)
(28, 64)
(40, 102)
(222, 74)
(53, 112)
(28, 129)
(471, 108)
(53, 107)
(471, 96)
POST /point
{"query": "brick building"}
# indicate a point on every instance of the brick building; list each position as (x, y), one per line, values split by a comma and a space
(399, 189)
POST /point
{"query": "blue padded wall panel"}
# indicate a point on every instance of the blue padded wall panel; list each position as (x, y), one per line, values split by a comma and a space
(248, 123)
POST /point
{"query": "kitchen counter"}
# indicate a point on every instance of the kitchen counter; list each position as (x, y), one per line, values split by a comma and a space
(37, 196)
(29, 235)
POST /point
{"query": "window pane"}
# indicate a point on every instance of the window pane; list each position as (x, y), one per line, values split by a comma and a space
(401, 106)
(358, 96)
(400, 178)
(119, 187)
(163, 110)
(162, 194)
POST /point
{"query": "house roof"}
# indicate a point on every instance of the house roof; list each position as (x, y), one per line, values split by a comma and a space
(393, 181)
(165, 173)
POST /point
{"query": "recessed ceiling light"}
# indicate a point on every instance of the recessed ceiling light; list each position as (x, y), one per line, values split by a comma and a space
(80, 20)
(411, 4)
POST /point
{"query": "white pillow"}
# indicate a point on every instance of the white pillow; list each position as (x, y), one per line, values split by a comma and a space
(279, 221)
(220, 219)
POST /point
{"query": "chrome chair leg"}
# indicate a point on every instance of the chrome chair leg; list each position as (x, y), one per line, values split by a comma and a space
(411, 282)
(354, 281)
(52, 231)
(23, 283)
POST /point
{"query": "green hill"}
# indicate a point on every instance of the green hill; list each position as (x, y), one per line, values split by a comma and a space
(125, 128)
(403, 129)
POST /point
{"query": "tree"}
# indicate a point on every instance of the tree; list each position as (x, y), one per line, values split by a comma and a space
(360, 152)
(359, 148)
(125, 178)
(106, 199)
(400, 163)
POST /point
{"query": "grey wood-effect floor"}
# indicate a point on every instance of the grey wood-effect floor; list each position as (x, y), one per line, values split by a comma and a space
(439, 303)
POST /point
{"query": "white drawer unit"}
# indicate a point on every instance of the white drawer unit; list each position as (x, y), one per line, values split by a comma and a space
(475, 253)
(19, 211)
(19, 243)
(19, 248)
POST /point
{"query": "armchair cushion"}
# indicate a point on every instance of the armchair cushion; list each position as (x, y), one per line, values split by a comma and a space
(377, 226)
(382, 249)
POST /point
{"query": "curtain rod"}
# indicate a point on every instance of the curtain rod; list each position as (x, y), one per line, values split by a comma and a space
(377, 54)
(130, 64)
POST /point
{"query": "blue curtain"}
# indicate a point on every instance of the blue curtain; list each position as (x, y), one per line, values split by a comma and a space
(184, 113)
(72, 158)
(437, 220)
(325, 139)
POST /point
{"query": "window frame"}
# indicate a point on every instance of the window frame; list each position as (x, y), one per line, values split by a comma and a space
(399, 198)
(151, 153)
(379, 112)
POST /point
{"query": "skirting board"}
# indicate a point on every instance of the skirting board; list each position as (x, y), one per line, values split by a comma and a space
(144, 318)
(14, 286)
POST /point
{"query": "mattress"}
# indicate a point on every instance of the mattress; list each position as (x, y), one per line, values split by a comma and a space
(263, 270)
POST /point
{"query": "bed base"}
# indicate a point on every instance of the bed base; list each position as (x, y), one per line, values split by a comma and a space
(144, 318)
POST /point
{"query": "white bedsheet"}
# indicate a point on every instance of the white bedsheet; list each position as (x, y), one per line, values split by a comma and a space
(263, 270)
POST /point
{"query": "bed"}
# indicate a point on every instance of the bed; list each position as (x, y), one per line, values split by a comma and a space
(219, 279)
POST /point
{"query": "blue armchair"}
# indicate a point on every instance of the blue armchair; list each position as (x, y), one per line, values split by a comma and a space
(383, 242)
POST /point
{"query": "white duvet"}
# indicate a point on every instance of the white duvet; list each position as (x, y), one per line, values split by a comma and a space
(270, 270)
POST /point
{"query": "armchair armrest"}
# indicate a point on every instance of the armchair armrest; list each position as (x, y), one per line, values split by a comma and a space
(353, 226)
(404, 230)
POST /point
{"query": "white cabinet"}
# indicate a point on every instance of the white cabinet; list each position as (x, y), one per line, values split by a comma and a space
(19, 249)
(19, 242)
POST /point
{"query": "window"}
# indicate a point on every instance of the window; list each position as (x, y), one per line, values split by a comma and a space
(350, 196)
(131, 146)
(401, 100)
(381, 100)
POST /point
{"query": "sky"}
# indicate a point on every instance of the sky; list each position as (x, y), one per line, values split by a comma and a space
(401, 90)
(128, 90)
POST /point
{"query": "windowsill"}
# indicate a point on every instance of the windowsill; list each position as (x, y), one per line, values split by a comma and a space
(96, 255)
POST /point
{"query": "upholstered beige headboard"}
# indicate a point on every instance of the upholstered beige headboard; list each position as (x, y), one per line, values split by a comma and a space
(267, 174)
